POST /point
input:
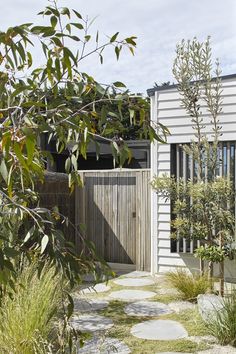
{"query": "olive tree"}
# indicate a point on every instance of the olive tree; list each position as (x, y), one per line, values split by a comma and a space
(202, 206)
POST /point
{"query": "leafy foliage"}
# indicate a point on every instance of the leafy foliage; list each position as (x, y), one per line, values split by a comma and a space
(115, 117)
(40, 101)
(200, 209)
(57, 101)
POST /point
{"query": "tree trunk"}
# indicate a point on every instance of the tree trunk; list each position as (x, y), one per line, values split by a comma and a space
(222, 271)
(210, 274)
(201, 261)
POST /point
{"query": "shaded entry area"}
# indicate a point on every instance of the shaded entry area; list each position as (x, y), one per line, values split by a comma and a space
(114, 207)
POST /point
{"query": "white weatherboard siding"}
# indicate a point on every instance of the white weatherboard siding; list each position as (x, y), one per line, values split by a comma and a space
(166, 109)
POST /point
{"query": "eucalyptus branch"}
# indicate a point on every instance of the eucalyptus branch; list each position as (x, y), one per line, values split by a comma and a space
(84, 43)
(29, 211)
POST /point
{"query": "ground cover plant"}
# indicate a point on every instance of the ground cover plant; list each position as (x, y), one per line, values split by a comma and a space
(223, 324)
(188, 285)
(26, 318)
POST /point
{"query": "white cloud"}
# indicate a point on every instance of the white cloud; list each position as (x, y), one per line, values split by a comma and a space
(158, 25)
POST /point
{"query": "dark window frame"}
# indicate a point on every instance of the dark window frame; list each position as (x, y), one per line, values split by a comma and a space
(183, 166)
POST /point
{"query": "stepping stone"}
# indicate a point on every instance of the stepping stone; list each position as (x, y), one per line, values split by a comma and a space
(131, 295)
(167, 291)
(203, 339)
(159, 330)
(91, 323)
(179, 306)
(218, 349)
(84, 305)
(104, 346)
(146, 308)
(209, 305)
(134, 282)
(98, 288)
(137, 274)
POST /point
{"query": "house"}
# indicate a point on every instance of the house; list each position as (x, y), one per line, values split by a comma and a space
(169, 158)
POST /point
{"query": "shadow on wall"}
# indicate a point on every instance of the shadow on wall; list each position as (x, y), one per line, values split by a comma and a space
(192, 264)
(111, 244)
(102, 224)
(111, 210)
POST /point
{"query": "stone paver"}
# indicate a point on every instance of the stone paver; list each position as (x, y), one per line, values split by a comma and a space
(91, 323)
(134, 282)
(209, 305)
(159, 330)
(179, 306)
(167, 291)
(137, 274)
(98, 288)
(147, 308)
(131, 295)
(218, 349)
(104, 346)
(206, 339)
(88, 305)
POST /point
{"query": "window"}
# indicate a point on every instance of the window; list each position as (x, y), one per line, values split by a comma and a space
(183, 166)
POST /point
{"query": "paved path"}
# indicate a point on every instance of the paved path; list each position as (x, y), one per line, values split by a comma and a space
(133, 290)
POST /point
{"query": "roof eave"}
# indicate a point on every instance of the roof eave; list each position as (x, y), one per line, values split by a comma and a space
(151, 91)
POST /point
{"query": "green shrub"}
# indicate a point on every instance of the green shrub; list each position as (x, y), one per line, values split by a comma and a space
(223, 324)
(188, 285)
(26, 320)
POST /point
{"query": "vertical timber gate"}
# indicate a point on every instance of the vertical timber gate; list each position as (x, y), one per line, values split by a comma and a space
(114, 209)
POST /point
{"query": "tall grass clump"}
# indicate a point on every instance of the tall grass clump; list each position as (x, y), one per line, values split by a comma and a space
(26, 319)
(223, 324)
(189, 286)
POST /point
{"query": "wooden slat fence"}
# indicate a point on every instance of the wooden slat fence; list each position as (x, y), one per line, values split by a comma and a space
(114, 207)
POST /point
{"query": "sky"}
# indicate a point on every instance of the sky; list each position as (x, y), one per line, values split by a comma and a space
(158, 24)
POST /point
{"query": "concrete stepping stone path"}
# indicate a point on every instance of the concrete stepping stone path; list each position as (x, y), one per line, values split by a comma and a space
(88, 305)
(134, 282)
(159, 330)
(91, 323)
(131, 295)
(137, 274)
(98, 288)
(147, 308)
(104, 346)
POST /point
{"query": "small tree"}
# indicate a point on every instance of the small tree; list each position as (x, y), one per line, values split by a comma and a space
(203, 206)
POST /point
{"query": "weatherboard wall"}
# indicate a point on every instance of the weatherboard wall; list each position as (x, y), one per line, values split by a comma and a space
(166, 109)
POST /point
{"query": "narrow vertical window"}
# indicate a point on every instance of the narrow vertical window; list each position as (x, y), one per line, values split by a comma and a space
(173, 155)
(183, 166)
